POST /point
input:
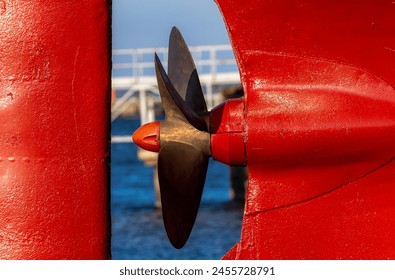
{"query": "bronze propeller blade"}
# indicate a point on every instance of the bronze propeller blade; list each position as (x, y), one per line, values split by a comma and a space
(181, 177)
(173, 102)
(183, 74)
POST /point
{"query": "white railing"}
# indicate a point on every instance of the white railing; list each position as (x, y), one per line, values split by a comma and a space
(136, 63)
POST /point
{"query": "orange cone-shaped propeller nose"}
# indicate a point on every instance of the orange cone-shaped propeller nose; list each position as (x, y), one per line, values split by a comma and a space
(147, 137)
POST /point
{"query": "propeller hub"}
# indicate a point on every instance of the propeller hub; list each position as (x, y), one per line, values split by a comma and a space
(147, 137)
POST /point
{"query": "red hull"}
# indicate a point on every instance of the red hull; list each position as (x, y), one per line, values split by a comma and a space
(319, 127)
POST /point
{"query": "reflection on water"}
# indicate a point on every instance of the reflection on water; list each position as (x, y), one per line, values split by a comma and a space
(137, 227)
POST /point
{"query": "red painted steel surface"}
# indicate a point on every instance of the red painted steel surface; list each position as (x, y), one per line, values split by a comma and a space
(54, 100)
(227, 132)
(319, 127)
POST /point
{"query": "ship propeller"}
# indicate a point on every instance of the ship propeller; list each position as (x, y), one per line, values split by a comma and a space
(182, 139)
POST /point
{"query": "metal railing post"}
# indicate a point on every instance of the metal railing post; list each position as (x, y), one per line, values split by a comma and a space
(143, 106)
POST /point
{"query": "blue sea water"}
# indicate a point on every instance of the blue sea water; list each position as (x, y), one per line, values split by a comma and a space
(137, 227)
